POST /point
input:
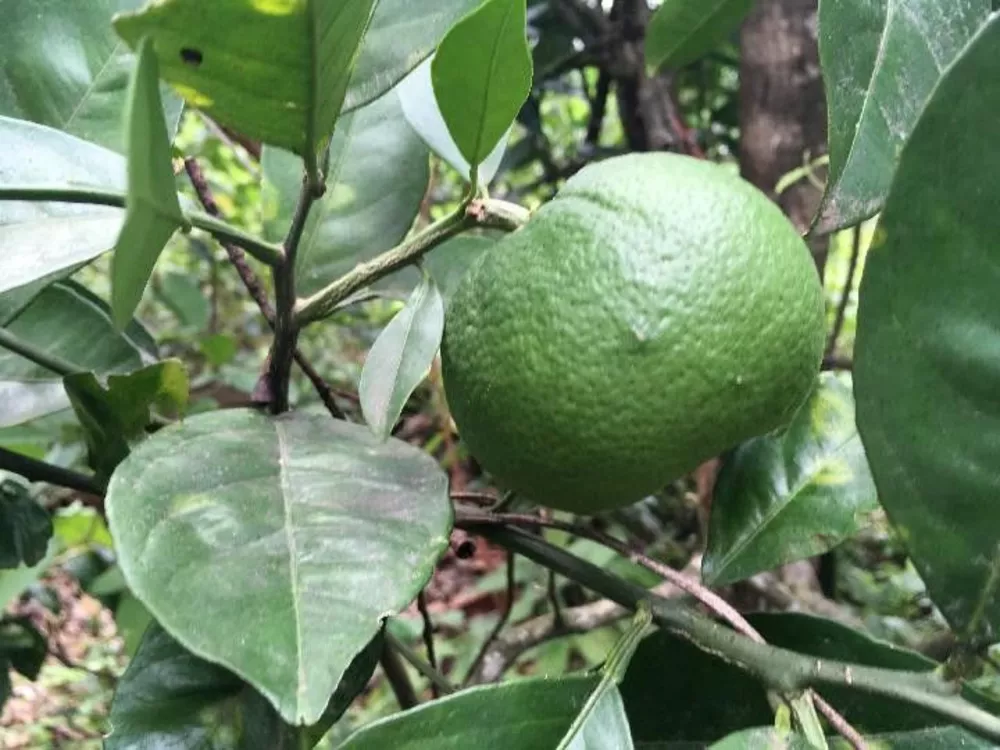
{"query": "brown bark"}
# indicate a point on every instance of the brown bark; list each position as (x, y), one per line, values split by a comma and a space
(782, 107)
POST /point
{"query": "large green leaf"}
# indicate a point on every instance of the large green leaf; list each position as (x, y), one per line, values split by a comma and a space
(61, 65)
(299, 532)
(168, 697)
(881, 59)
(25, 527)
(482, 75)
(927, 345)
(68, 321)
(39, 239)
(529, 714)
(401, 34)
(152, 212)
(937, 738)
(277, 71)
(681, 31)
(791, 496)
(401, 357)
(378, 175)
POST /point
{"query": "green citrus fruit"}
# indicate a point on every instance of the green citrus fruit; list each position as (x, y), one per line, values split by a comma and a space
(658, 311)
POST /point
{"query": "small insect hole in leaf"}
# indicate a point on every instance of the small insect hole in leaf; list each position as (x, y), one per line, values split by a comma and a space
(191, 56)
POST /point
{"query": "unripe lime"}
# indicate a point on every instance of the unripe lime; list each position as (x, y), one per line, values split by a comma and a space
(658, 311)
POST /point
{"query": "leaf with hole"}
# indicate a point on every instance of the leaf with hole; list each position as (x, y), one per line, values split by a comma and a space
(482, 75)
(39, 240)
(308, 526)
(682, 31)
(401, 357)
(422, 111)
(62, 65)
(928, 309)
(377, 178)
(881, 59)
(791, 496)
(25, 527)
(152, 212)
(274, 71)
(67, 321)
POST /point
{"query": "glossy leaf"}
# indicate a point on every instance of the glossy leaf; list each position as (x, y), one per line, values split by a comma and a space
(763, 738)
(308, 523)
(378, 176)
(791, 496)
(62, 65)
(420, 106)
(168, 696)
(182, 295)
(115, 418)
(401, 357)
(881, 59)
(153, 212)
(928, 309)
(401, 34)
(682, 31)
(937, 738)
(25, 527)
(39, 239)
(277, 72)
(528, 714)
(482, 75)
(68, 321)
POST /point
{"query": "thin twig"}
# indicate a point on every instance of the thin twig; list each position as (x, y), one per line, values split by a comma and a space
(838, 321)
(396, 676)
(428, 636)
(439, 683)
(256, 289)
(38, 471)
(554, 600)
(838, 722)
(51, 362)
(501, 623)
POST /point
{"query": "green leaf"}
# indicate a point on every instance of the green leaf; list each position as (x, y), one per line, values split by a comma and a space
(377, 178)
(938, 738)
(182, 295)
(400, 35)
(77, 526)
(22, 648)
(115, 418)
(791, 496)
(39, 239)
(170, 696)
(25, 527)
(762, 738)
(422, 111)
(68, 321)
(450, 261)
(61, 65)
(928, 309)
(132, 620)
(309, 523)
(13, 582)
(881, 59)
(482, 75)
(682, 31)
(401, 357)
(153, 212)
(274, 71)
(528, 714)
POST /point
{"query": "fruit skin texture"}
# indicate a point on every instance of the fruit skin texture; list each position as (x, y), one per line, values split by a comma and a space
(655, 313)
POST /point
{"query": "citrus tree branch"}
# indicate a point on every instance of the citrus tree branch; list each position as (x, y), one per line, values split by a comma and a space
(256, 290)
(265, 252)
(484, 213)
(782, 670)
(39, 471)
(51, 362)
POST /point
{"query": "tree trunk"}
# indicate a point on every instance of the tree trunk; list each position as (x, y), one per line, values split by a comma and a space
(782, 107)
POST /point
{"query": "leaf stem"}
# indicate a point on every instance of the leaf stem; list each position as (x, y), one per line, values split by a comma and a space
(51, 362)
(265, 252)
(783, 670)
(485, 213)
(395, 674)
(438, 681)
(39, 471)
